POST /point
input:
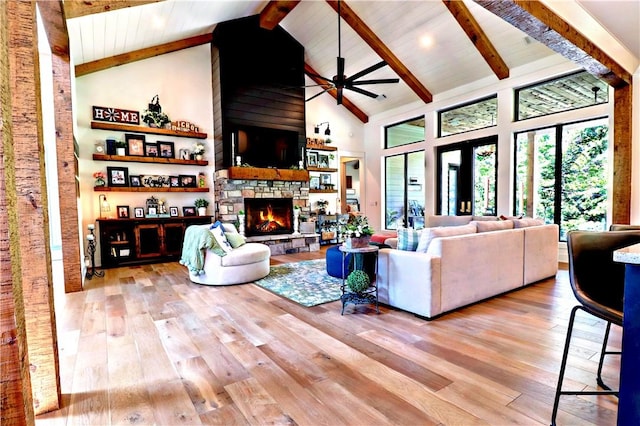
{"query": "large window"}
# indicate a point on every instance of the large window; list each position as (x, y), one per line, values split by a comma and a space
(407, 132)
(404, 192)
(568, 92)
(472, 116)
(561, 175)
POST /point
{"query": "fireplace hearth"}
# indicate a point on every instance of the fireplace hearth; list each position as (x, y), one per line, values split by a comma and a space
(268, 216)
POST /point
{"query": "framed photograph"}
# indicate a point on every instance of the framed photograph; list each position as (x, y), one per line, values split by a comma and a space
(166, 149)
(185, 154)
(325, 179)
(173, 211)
(350, 191)
(188, 181)
(174, 181)
(135, 144)
(123, 212)
(134, 181)
(323, 161)
(118, 176)
(314, 182)
(189, 211)
(138, 212)
(100, 148)
(312, 159)
(151, 149)
(152, 211)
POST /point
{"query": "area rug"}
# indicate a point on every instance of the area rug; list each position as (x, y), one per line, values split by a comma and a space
(306, 282)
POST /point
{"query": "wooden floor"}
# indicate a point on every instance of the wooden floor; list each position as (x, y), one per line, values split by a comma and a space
(144, 345)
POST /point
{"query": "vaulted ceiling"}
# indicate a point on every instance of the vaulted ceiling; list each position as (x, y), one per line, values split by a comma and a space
(432, 46)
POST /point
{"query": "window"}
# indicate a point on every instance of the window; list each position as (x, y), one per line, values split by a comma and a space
(561, 175)
(472, 116)
(568, 92)
(404, 191)
(407, 132)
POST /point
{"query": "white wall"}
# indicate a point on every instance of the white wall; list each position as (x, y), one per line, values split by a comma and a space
(183, 82)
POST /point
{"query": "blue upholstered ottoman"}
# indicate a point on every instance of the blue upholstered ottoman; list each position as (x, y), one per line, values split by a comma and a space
(334, 262)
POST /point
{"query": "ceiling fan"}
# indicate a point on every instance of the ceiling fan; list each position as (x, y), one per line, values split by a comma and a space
(340, 81)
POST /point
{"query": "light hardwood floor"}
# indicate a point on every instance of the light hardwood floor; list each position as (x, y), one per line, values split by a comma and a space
(144, 345)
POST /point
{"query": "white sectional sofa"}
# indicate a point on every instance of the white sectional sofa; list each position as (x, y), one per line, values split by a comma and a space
(455, 271)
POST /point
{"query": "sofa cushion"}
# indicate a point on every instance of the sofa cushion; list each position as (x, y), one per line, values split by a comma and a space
(236, 240)
(526, 222)
(221, 239)
(488, 226)
(246, 255)
(435, 221)
(408, 239)
(428, 234)
(484, 218)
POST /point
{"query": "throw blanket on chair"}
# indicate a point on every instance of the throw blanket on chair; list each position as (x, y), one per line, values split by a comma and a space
(197, 239)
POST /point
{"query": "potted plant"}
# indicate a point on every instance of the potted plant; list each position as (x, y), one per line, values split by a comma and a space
(198, 151)
(358, 281)
(356, 231)
(202, 204)
(100, 178)
(121, 148)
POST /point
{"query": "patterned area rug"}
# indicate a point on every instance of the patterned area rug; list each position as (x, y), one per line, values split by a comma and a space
(306, 282)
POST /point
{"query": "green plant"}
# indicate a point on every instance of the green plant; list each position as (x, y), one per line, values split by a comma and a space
(356, 226)
(121, 144)
(241, 212)
(358, 281)
(201, 202)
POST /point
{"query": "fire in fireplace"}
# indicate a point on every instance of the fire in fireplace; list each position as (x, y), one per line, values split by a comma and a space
(268, 216)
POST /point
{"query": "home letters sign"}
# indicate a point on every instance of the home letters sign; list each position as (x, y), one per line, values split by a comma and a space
(116, 115)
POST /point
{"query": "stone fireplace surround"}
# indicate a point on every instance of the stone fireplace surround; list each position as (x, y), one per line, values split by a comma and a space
(229, 200)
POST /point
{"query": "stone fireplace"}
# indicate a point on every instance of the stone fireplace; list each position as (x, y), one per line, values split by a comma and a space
(268, 216)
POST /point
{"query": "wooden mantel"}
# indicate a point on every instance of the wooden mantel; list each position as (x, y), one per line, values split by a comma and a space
(259, 173)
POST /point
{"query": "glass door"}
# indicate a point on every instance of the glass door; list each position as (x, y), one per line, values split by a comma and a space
(404, 190)
(467, 178)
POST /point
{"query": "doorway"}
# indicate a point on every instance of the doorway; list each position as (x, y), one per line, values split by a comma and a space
(351, 184)
(467, 178)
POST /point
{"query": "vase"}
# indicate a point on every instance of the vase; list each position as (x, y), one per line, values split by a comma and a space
(202, 211)
(121, 151)
(357, 242)
(199, 157)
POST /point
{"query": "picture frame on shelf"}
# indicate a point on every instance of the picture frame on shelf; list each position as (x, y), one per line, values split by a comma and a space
(166, 149)
(188, 181)
(312, 159)
(323, 161)
(174, 181)
(152, 212)
(123, 212)
(325, 179)
(314, 182)
(151, 149)
(99, 147)
(134, 181)
(189, 211)
(135, 144)
(173, 211)
(185, 154)
(138, 212)
(118, 176)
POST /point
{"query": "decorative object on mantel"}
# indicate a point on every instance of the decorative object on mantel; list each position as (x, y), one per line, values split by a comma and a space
(356, 231)
(202, 204)
(115, 115)
(100, 178)
(153, 116)
(152, 207)
(184, 126)
(198, 151)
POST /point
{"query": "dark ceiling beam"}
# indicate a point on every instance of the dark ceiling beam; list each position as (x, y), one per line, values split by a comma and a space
(477, 36)
(369, 37)
(78, 8)
(137, 55)
(542, 24)
(350, 106)
(274, 12)
(55, 26)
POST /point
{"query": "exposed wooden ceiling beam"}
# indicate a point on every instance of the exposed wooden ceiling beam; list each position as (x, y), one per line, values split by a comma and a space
(274, 12)
(136, 55)
(78, 8)
(55, 26)
(350, 106)
(383, 51)
(542, 24)
(477, 36)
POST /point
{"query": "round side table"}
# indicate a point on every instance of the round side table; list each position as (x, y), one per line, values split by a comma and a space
(368, 296)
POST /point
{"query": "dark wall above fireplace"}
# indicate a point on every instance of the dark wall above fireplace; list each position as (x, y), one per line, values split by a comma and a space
(258, 76)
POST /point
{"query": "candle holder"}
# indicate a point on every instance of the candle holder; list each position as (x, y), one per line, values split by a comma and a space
(91, 253)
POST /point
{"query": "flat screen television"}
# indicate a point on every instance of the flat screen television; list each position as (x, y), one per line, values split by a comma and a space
(265, 147)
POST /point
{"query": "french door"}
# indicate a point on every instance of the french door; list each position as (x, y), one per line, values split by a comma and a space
(404, 190)
(467, 178)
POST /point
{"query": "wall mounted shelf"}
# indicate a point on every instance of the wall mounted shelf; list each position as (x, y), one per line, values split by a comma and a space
(140, 159)
(146, 189)
(323, 191)
(321, 147)
(142, 129)
(321, 169)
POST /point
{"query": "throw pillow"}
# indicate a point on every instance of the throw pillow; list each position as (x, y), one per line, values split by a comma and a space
(236, 240)
(526, 222)
(221, 239)
(408, 239)
(428, 234)
(494, 225)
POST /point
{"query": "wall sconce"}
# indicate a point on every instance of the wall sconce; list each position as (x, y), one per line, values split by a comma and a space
(327, 131)
(103, 204)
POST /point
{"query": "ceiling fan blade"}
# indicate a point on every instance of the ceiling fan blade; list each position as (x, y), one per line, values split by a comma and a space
(340, 74)
(378, 81)
(318, 94)
(367, 70)
(363, 92)
(319, 76)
